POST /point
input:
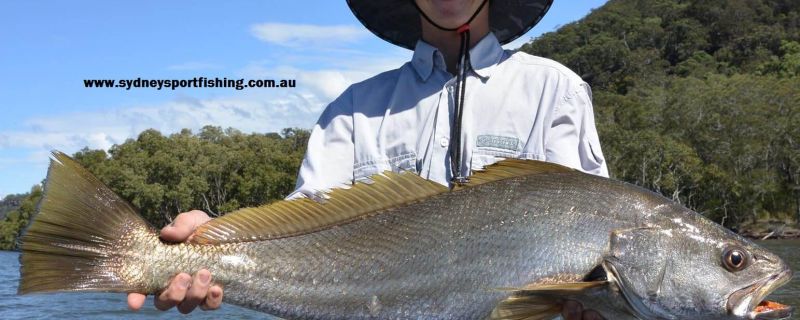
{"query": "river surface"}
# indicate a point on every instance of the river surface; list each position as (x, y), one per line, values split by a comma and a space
(89, 305)
(112, 306)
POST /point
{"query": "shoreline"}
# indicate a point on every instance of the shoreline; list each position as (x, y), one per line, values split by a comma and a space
(769, 230)
(768, 236)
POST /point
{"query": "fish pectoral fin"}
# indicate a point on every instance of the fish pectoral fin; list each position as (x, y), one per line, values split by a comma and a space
(526, 308)
(510, 168)
(543, 301)
(565, 288)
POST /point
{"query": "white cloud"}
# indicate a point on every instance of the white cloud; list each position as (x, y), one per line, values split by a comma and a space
(336, 62)
(102, 129)
(31, 142)
(325, 84)
(251, 110)
(304, 35)
(193, 66)
(330, 83)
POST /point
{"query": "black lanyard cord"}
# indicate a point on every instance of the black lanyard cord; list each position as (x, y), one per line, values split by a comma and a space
(458, 112)
(464, 66)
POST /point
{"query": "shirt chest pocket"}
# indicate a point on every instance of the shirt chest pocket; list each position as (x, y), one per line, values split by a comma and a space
(492, 148)
(406, 161)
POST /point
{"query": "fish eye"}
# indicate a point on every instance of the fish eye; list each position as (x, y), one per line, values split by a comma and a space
(735, 259)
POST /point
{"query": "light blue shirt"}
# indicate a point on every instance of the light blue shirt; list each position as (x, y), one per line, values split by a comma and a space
(516, 106)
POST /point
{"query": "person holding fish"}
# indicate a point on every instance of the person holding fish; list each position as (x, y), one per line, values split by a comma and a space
(460, 104)
(435, 237)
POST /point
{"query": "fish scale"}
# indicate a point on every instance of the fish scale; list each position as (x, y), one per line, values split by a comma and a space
(425, 257)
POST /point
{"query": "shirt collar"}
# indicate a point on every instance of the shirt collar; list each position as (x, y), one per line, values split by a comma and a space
(483, 56)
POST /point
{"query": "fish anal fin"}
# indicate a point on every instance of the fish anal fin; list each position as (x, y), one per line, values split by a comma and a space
(542, 301)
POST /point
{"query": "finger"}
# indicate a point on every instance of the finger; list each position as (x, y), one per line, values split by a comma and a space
(197, 292)
(571, 310)
(135, 301)
(174, 293)
(183, 226)
(213, 299)
(592, 315)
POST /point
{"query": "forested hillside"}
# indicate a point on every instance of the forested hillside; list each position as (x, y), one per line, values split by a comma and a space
(698, 100)
(213, 170)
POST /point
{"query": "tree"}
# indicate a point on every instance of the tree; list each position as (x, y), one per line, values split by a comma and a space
(697, 100)
(16, 220)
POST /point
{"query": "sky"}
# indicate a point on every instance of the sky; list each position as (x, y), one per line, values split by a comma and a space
(50, 47)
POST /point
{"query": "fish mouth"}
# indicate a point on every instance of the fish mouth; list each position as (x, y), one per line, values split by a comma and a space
(749, 303)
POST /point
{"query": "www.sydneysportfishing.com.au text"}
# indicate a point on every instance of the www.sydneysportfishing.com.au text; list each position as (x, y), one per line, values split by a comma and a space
(197, 82)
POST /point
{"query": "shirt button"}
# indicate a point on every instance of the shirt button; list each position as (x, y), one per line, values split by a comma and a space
(444, 142)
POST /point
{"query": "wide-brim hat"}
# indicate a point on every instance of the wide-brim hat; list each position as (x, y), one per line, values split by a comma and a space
(398, 21)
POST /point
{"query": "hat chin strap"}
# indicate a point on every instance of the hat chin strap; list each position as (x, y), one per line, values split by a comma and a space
(483, 4)
(464, 66)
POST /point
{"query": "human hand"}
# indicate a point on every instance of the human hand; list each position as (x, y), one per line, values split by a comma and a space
(184, 291)
(573, 310)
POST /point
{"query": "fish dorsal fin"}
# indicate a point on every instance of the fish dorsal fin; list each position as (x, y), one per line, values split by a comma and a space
(510, 168)
(388, 190)
(299, 216)
(539, 302)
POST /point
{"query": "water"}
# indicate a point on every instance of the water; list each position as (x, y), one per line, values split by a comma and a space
(112, 306)
(789, 294)
(89, 305)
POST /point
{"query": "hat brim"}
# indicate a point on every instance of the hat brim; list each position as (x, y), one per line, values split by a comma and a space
(398, 22)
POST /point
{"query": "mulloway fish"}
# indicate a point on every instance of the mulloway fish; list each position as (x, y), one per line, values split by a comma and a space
(514, 243)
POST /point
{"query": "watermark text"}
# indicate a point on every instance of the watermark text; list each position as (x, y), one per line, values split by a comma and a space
(196, 82)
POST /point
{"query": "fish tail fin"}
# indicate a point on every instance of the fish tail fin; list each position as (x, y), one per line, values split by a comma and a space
(83, 237)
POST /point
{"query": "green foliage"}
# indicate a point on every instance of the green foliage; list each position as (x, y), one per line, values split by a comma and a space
(215, 170)
(786, 66)
(16, 220)
(697, 100)
(628, 42)
(724, 146)
(10, 202)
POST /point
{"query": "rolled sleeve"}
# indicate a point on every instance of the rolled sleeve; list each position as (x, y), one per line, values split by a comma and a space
(329, 158)
(572, 138)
